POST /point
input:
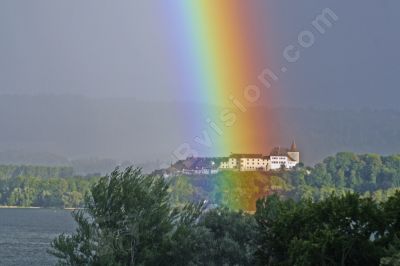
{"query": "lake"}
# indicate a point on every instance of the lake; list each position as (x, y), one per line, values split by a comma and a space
(25, 234)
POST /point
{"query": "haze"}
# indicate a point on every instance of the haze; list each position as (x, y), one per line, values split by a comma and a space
(87, 79)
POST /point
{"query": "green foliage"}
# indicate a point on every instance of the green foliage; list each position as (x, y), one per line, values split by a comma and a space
(14, 171)
(378, 176)
(339, 230)
(392, 254)
(42, 186)
(181, 190)
(367, 174)
(129, 220)
(132, 219)
(237, 190)
(44, 192)
(231, 240)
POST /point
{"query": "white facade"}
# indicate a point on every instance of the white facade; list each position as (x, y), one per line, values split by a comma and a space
(253, 164)
(225, 165)
(277, 162)
(245, 163)
(278, 159)
(230, 164)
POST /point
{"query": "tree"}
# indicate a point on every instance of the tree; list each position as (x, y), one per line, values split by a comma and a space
(233, 237)
(181, 190)
(335, 231)
(128, 220)
(372, 167)
(392, 256)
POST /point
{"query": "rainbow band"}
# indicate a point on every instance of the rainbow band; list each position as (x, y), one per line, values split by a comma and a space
(220, 50)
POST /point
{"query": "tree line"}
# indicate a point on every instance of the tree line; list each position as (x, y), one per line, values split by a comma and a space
(42, 186)
(44, 192)
(14, 171)
(367, 174)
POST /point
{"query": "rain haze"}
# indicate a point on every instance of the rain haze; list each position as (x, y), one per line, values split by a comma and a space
(92, 79)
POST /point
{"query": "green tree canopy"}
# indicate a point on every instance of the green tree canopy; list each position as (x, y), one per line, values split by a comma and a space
(339, 230)
(129, 220)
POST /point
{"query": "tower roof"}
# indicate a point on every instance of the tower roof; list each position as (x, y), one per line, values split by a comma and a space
(293, 147)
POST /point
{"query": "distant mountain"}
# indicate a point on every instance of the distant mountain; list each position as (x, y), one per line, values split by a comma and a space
(80, 166)
(320, 133)
(80, 127)
(61, 130)
(32, 158)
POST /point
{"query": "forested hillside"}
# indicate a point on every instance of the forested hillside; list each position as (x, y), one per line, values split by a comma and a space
(236, 190)
(367, 174)
(44, 192)
(13, 171)
(41, 186)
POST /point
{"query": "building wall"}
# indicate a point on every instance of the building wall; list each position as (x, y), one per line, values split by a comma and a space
(278, 161)
(230, 164)
(224, 165)
(254, 164)
(295, 155)
(233, 163)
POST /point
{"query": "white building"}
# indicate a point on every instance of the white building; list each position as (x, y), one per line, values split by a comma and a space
(278, 158)
(245, 162)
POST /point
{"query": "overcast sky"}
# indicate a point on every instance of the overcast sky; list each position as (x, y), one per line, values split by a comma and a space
(115, 48)
(84, 52)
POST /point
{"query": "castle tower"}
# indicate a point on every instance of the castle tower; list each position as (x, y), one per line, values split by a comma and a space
(293, 153)
(293, 147)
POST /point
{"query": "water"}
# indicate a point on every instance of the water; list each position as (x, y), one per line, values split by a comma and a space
(25, 234)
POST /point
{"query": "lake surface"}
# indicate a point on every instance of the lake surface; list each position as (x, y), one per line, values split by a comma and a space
(25, 234)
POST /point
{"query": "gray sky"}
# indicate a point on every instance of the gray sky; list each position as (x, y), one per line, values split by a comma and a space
(115, 48)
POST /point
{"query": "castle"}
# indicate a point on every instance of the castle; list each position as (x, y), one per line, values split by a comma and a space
(279, 158)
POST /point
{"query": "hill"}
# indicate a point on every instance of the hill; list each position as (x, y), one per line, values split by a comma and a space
(237, 190)
(367, 174)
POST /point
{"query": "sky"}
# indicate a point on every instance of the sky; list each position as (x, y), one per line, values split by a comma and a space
(98, 78)
(117, 49)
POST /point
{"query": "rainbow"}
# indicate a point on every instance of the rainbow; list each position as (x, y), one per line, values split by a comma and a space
(219, 50)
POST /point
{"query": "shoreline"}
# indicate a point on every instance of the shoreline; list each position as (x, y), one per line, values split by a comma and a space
(32, 207)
